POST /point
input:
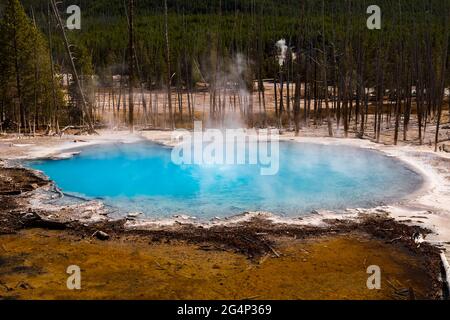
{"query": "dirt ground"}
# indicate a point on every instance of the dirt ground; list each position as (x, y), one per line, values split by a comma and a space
(33, 265)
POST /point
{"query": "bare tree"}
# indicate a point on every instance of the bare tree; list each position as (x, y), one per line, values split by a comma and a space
(169, 76)
(131, 62)
(84, 102)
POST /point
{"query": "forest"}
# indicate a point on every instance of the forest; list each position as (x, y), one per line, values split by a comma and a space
(150, 64)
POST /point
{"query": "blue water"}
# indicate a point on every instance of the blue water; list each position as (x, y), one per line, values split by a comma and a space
(142, 177)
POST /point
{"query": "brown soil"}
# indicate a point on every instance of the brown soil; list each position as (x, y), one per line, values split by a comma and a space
(33, 265)
(14, 181)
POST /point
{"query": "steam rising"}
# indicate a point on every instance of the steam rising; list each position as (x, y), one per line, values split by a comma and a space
(230, 83)
(282, 49)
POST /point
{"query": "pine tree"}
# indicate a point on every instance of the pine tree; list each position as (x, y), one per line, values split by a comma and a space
(26, 78)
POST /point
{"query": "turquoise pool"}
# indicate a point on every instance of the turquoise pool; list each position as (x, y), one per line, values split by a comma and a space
(141, 177)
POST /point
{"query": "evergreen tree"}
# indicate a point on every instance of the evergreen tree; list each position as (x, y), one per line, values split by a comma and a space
(26, 78)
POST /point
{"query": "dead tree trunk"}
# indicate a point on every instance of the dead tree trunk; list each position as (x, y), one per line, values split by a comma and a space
(130, 65)
(442, 88)
(84, 102)
(324, 72)
(169, 76)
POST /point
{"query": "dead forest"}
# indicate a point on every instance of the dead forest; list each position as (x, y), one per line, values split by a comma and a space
(298, 65)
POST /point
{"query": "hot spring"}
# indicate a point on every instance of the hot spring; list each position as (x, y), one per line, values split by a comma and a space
(141, 177)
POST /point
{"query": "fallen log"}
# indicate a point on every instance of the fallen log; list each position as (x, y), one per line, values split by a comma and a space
(34, 220)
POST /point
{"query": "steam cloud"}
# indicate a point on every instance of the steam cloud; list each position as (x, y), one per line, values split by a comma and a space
(282, 49)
